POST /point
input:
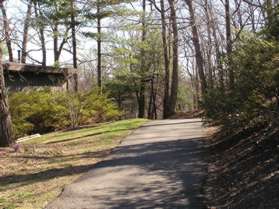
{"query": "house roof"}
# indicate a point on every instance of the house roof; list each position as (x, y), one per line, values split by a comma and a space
(19, 75)
(19, 67)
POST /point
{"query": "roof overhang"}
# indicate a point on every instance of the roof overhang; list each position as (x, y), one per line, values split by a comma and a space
(18, 67)
(19, 75)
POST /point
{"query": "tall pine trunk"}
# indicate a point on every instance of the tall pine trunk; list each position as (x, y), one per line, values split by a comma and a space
(5, 117)
(7, 31)
(141, 99)
(174, 83)
(25, 31)
(99, 47)
(73, 27)
(166, 109)
(74, 42)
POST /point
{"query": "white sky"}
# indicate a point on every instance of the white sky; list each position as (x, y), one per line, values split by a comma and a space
(16, 13)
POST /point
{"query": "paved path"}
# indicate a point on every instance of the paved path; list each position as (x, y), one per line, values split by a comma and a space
(160, 166)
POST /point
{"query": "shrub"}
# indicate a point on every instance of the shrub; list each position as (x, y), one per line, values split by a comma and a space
(99, 108)
(42, 111)
(255, 94)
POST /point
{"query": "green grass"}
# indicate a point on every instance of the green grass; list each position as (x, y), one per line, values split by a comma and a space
(118, 126)
(36, 175)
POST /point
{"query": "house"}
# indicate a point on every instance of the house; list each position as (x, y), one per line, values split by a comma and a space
(19, 76)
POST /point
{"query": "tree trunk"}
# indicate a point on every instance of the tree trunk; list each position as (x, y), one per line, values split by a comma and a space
(74, 43)
(196, 42)
(56, 47)
(142, 65)
(155, 115)
(217, 51)
(99, 49)
(197, 87)
(55, 42)
(141, 102)
(39, 15)
(152, 97)
(25, 32)
(252, 14)
(209, 46)
(229, 43)
(269, 11)
(174, 83)
(166, 108)
(73, 26)
(239, 14)
(7, 31)
(5, 117)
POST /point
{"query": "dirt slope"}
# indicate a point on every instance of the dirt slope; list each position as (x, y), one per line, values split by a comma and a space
(244, 170)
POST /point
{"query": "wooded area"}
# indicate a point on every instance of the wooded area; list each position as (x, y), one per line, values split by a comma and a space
(161, 56)
(154, 59)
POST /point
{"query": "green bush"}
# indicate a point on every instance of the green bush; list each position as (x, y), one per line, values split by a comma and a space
(254, 98)
(99, 108)
(42, 111)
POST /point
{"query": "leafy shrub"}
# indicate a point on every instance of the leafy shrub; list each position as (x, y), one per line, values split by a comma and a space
(254, 98)
(99, 108)
(42, 111)
(37, 112)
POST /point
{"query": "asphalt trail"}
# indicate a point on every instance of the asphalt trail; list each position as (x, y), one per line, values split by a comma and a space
(162, 165)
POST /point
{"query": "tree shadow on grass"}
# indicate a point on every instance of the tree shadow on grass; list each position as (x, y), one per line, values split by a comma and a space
(14, 181)
(85, 155)
(25, 179)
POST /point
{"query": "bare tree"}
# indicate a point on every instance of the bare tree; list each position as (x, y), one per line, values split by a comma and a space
(41, 28)
(197, 46)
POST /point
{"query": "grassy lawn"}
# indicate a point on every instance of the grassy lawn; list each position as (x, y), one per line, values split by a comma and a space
(36, 175)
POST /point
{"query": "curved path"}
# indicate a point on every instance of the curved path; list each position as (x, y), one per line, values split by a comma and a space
(160, 166)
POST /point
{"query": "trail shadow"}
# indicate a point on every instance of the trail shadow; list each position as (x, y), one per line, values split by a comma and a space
(179, 170)
(175, 123)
